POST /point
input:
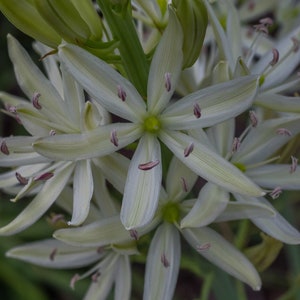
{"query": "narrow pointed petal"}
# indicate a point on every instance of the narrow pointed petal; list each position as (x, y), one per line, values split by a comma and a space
(40, 203)
(218, 103)
(222, 135)
(89, 144)
(123, 279)
(101, 81)
(245, 210)
(276, 226)
(209, 165)
(221, 38)
(212, 200)
(162, 264)
(271, 176)
(280, 71)
(51, 66)
(102, 284)
(105, 232)
(180, 180)
(142, 187)
(279, 102)
(12, 100)
(64, 256)
(115, 168)
(263, 140)
(83, 191)
(223, 254)
(32, 80)
(166, 60)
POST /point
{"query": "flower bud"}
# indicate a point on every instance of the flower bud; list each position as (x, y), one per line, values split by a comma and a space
(192, 15)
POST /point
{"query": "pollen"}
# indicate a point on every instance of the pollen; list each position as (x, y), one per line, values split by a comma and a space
(152, 124)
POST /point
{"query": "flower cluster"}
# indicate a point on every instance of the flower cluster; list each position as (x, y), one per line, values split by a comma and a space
(156, 119)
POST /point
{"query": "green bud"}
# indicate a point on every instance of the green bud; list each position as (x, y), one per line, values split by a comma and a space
(192, 15)
(264, 254)
(25, 16)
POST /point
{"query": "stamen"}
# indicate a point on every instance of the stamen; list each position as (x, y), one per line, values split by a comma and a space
(121, 93)
(4, 148)
(52, 132)
(294, 164)
(275, 59)
(253, 118)
(52, 254)
(283, 131)
(236, 144)
(164, 261)
(276, 192)
(44, 176)
(251, 5)
(149, 165)
(197, 110)
(95, 276)
(74, 279)
(261, 28)
(22, 180)
(114, 138)
(168, 81)
(35, 100)
(188, 150)
(266, 21)
(134, 234)
(184, 184)
(203, 247)
(56, 218)
(11, 109)
(296, 43)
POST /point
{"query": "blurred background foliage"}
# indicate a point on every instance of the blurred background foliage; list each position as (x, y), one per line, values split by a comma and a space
(198, 279)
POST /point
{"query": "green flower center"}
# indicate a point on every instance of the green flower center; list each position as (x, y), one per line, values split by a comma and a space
(152, 124)
(171, 212)
(241, 167)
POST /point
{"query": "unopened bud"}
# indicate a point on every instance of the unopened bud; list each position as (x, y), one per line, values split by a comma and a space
(193, 18)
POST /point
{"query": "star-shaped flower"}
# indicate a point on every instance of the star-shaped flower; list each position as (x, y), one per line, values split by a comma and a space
(153, 121)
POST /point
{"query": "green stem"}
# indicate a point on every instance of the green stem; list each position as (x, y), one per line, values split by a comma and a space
(242, 234)
(119, 19)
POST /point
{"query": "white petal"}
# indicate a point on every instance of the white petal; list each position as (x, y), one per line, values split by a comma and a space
(104, 232)
(212, 200)
(217, 103)
(162, 264)
(167, 59)
(263, 140)
(245, 210)
(279, 102)
(180, 180)
(271, 176)
(41, 202)
(64, 256)
(123, 279)
(100, 288)
(276, 226)
(83, 191)
(208, 164)
(32, 80)
(142, 187)
(221, 38)
(115, 168)
(221, 253)
(89, 144)
(102, 81)
(222, 135)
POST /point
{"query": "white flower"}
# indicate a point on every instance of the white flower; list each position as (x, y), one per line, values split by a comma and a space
(58, 106)
(151, 122)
